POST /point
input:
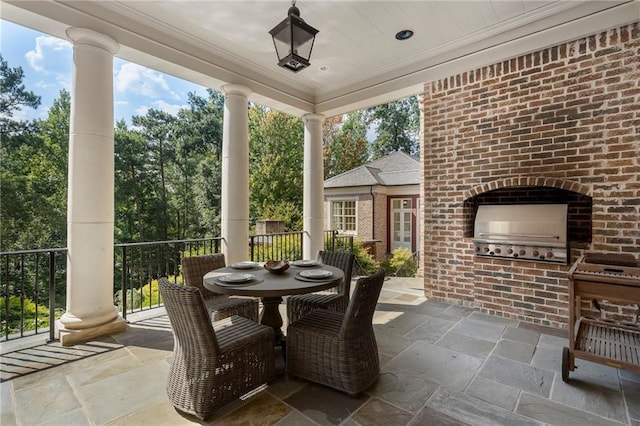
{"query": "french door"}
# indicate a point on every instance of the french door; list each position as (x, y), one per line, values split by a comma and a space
(401, 223)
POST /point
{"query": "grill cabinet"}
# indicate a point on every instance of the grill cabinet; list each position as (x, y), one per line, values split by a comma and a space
(611, 277)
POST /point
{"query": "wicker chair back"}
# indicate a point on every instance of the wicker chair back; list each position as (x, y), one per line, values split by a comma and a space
(194, 269)
(341, 260)
(359, 314)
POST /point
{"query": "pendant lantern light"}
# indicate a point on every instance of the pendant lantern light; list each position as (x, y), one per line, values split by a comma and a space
(293, 39)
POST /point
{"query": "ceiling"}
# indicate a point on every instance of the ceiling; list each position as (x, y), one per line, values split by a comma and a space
(356, 60)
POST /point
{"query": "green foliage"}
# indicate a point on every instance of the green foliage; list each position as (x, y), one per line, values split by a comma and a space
(147, 296)
(13, 317)
(168, 173)
(365, 264)
(13, 97)
(401, 263)
(397, 125)
(33, 182)
(275, 162)
(286, 211)
(345, 143)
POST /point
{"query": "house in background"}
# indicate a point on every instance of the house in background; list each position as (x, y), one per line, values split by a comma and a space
(377, 203)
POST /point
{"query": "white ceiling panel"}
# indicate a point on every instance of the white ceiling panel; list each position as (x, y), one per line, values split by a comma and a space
(356, 59)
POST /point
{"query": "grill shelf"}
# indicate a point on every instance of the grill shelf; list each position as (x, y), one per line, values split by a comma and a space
(619, 345)
(606, 342)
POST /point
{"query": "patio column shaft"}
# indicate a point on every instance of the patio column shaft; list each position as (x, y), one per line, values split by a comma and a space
(313, 207)
(235, 173)
(90, 208)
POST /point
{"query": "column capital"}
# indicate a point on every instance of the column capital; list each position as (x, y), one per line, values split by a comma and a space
(84, 36)
(236, 89)
(310, 118)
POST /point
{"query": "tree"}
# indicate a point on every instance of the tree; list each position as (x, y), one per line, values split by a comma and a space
(33, 182)
(198, 147)
(345, 143)
(397, 125)
(276, 166)
(132, 185)
(157, 128)
(13, 97)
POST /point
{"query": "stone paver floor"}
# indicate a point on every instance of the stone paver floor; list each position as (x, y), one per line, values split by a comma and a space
(440, 365)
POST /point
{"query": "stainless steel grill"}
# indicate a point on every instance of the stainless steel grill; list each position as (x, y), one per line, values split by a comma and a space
(533, 232)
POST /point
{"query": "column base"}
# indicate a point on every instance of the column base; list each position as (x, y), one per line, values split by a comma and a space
(70, 337)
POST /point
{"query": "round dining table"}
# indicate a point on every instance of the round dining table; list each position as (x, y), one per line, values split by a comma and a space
(270, 287)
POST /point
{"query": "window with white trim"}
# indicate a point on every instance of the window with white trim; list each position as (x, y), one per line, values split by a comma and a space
(343, 216)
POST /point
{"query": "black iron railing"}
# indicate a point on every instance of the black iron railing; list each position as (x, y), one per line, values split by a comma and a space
(33, 282)
(33, 291)
(139, 265)
(284, 245)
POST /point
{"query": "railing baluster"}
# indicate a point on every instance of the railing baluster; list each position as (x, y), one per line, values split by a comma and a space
(124, 287)
(52, 296)
(7, 296)
(36, 294)
(22, 295)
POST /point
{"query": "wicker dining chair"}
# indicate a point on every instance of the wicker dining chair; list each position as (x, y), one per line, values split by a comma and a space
(213, 363)
(220, 306)
(336, 349)
(335, 299)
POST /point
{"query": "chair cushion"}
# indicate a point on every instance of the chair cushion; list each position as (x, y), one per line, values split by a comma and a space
(236, 331)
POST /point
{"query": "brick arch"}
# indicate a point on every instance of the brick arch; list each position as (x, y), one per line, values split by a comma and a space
(528, 181)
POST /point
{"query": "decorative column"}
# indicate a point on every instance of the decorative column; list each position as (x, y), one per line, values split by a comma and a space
(90, 207)
(313, 207)
(235, 173)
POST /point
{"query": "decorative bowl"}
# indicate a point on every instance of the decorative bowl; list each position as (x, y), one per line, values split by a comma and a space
(276, 266)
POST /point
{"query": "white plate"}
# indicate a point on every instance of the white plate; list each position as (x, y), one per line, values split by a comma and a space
(236, 278)
(244, 265)
(305, 262)
(316, 273)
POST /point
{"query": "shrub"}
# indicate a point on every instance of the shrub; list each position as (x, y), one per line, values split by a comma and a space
(400, 264)
(13, 317)
(365, 264)
(147, 296)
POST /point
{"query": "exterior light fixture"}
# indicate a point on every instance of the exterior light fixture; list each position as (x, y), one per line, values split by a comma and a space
(293, 39)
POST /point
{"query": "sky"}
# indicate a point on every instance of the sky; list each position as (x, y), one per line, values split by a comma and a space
(47, 65)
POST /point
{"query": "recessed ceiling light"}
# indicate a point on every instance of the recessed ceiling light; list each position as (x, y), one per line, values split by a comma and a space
(324, 68)
(404, 35)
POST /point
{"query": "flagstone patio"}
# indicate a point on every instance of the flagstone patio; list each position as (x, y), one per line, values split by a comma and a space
(441, 365)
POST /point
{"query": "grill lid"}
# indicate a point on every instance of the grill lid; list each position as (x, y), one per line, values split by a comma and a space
(528, 224)
(535, 232)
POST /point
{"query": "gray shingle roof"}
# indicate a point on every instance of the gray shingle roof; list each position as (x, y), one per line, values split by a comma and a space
(394, 169)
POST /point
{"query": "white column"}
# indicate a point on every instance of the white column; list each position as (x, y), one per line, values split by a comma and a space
(90, 207)
(235, 173)
(313, 206)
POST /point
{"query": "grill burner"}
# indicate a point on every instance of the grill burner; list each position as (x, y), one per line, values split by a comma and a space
(533, 232)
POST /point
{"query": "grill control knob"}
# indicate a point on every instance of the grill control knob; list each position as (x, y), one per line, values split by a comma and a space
(510, 251)
(549, 254)
(486, 249)
(497, 250)
(522, 252)
(535, 253)
(477, 248)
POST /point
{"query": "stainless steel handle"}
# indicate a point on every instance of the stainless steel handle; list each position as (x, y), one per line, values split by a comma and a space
(550, 237)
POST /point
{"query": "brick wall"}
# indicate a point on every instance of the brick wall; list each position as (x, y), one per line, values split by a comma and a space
(566, 117)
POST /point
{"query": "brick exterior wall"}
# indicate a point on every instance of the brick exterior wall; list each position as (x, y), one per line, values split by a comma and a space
(366, 228)
(380, 230)
(566, 117)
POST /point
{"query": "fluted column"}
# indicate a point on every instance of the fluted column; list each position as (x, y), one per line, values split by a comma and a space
(235, 173)
(90, 208)
(313, 206)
